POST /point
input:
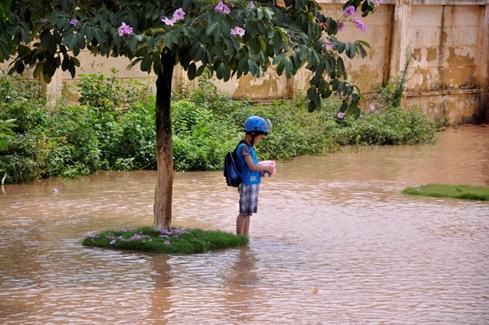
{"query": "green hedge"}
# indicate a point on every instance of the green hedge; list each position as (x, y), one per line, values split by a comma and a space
(72, 140)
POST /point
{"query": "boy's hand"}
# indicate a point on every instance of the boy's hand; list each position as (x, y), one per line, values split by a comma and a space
(268, 170)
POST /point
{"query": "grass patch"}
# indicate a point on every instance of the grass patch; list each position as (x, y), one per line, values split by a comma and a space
(466, 192)
(176, 240)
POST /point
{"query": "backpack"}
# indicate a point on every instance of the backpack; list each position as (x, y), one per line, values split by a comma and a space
(232, 170)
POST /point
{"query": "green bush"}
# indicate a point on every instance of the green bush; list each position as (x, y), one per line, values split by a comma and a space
(137, 139)
(115, 129)
(75, 149)
(201, 138)
(386, 128)
(23, 157)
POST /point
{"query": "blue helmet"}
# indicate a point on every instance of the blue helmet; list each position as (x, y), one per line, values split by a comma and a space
(257, 125)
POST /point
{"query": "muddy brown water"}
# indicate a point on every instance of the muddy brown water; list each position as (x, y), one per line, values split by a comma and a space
(334, 242)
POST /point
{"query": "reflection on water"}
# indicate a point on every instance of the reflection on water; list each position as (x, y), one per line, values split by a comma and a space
(334, 242)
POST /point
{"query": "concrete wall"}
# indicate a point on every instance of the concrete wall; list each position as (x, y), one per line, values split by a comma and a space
(448, 41)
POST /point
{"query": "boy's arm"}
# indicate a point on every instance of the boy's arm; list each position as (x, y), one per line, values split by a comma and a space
(255, 167)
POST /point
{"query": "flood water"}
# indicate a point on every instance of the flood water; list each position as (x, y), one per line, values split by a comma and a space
(334, 242)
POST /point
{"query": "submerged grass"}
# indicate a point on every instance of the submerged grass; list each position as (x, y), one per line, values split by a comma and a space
(176, 240)
(467, 192)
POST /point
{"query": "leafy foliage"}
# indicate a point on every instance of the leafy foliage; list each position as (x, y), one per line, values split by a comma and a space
(6, 133)
(79, 139)
(47, 35)
(387, 127)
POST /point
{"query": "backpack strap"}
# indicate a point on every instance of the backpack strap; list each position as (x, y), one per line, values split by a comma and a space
(235, 154)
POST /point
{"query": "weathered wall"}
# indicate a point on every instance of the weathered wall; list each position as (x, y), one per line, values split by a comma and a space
(448, 41)
(443, 78)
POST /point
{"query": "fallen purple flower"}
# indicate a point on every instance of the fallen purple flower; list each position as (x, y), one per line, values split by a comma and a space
(137, 237)
(371, 108)
(340, 115)
(165, 232)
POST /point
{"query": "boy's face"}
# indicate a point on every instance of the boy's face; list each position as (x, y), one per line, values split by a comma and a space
(259, 138)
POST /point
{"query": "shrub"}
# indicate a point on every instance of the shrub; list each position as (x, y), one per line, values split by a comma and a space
(110, 131)
(383, 128)
(75, 143)
(136, 142)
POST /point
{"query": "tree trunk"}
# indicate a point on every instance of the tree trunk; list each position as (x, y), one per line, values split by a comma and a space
(164, 152)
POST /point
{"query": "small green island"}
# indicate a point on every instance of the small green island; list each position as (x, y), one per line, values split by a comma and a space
(172, 241)
(467, 192)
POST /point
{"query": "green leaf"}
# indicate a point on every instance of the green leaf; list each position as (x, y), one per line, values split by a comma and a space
(71, 67)
(212, 28)
(201, 70)
(146, 63)
(19, 67)
(192, 71)
(100, 36)
(253, 68)
(340, 66)
(340, 47)
(70, 40)
(350, 50)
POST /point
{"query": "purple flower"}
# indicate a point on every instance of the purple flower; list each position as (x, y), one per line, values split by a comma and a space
(238, 31)
(328, 44)
(359, 24)
(179, 14)
(349, 11)
(222, 8)
(125, 29)
(341, 26)
(340, 115)
(168, 22)
(371, 108)
(74, 22)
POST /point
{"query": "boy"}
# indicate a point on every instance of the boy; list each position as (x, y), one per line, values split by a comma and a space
(256, 129)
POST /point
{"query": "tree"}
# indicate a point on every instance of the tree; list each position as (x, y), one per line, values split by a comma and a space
(231, 38)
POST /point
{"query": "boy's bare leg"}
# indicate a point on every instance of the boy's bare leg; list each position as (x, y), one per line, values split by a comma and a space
(246, 227)
(240, 221)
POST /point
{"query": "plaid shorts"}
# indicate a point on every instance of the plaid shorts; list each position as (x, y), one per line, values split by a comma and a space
(248, 198)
